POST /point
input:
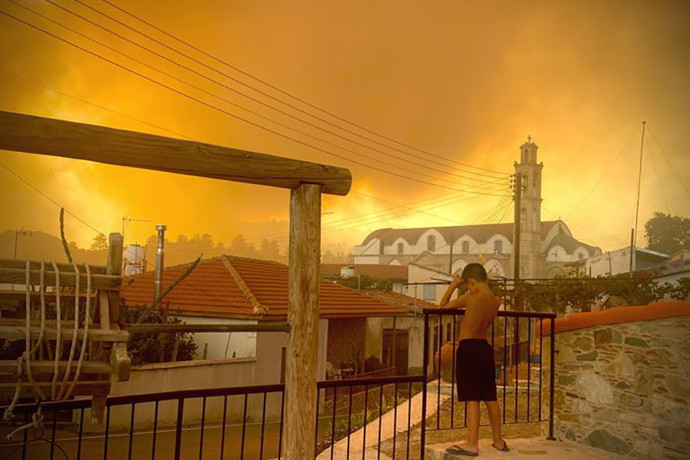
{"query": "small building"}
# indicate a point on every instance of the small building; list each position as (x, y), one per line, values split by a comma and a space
(233, 290)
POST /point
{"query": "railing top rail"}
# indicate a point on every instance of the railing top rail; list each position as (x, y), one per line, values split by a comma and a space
(207, 392)
(461, 311)
(152, 397)
(370, 381)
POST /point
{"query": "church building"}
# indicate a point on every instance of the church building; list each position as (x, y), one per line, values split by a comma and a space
(546, 248)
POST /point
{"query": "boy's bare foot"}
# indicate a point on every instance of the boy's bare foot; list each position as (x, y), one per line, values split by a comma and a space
(463, 449)
(503, 443)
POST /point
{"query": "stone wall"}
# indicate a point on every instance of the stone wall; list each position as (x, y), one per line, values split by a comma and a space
(625, 387)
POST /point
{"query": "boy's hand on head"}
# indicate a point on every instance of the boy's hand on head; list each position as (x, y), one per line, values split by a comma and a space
(457, 280)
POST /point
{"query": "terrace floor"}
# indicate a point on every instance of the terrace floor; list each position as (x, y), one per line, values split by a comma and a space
(527, 448)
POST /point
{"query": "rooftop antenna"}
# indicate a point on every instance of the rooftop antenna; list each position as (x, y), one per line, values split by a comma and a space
(633, 264)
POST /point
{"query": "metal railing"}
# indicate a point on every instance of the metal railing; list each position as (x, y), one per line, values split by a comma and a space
(253, 431)
(518, 354)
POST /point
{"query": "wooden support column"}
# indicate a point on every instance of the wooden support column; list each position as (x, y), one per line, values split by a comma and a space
(303, 317)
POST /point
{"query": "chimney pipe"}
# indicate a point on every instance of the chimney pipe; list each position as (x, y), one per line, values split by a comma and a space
(159, 259)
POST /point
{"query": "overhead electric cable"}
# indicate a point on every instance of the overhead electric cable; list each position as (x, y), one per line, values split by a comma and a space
(209, 105)
(229, 88)
(675, 172)
(271, 86)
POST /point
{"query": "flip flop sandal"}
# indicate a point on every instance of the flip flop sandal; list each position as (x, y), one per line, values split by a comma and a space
(457, 450)
(504, 449)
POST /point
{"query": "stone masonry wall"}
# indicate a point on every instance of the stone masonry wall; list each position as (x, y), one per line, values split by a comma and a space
(625, 388)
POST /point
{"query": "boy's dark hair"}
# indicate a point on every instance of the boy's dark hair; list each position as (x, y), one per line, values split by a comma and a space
(475, 272)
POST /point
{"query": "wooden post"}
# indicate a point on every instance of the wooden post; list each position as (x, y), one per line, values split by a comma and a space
(303, 317)
(114, 267)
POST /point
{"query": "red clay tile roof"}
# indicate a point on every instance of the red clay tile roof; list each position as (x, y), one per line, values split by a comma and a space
(212, 290)
(394, 298)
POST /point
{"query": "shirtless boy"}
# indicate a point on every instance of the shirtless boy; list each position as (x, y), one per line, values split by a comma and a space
(475, 371)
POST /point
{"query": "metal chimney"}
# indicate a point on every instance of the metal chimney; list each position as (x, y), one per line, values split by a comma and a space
(159, 259)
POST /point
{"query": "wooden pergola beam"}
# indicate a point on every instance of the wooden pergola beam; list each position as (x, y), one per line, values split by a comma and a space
(47, 136)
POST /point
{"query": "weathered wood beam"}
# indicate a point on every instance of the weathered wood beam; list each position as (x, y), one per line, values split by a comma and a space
(18, 276)
(47, 136)
(303, 318)
(36, 265)
(16, 332)
(39, 368)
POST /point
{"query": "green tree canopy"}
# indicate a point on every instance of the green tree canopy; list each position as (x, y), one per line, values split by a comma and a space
(667, 233)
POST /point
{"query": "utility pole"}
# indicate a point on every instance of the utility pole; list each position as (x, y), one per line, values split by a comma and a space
(637, 206)
(516, 241)
(632, 251)
(518, 224)
(22, 232)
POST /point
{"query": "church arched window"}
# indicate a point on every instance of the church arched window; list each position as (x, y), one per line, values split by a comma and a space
(431, 243)
(498, 247)
(465, 247)
(401, 248)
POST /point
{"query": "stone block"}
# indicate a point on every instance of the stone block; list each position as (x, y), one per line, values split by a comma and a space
(636, 342)
(622, 366)
(671, 433)
(603, 336)
(678, 386)
(617, 336)
(648, 449)
(591, 356)
(605, 415)
(622, 385)
(583, 343)
(602, 439)
(594, 388)
(638, 419)
(566, 379)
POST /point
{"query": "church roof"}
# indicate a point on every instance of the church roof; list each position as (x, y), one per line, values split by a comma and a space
(570, 244)
(479, 233)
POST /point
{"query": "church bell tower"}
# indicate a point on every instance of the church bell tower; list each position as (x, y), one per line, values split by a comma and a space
(530, 210)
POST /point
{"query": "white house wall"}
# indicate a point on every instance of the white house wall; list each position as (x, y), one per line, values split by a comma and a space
(241, 344)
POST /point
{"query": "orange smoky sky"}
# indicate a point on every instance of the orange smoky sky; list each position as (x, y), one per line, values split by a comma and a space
(464, 81)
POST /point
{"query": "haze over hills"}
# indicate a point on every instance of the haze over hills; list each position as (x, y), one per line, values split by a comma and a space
(36, 245)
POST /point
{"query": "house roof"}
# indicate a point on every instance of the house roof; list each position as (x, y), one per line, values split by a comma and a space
(397, 299)
(570, 244)
(237, 287)
(380, 272)
(480, 233)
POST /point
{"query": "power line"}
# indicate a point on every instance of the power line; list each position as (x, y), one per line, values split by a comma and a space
(199, 74)
(606, 171)
(658, 179)
(230, 114)
(84, 101)
(269, 85)
(675, 172)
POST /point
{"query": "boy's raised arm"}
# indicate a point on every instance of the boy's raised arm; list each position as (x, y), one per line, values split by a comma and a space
(455, 303)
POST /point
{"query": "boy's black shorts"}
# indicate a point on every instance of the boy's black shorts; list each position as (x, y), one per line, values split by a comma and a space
(475, 371)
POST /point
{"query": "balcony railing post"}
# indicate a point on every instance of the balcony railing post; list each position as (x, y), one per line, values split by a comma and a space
(178, 427)
(552, 367)
(426, 379)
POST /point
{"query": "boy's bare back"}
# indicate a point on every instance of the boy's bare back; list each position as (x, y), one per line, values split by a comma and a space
(481, 308)
(480, 311)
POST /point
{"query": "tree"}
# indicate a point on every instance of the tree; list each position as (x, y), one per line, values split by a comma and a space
(100, 242)
(666, 233)
(156, 348)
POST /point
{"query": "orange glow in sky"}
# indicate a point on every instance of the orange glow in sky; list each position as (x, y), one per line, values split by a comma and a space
(463, 81)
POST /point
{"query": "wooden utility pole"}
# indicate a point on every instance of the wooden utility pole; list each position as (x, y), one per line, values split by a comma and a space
(518, 224)
(299, 433)
(637, 205)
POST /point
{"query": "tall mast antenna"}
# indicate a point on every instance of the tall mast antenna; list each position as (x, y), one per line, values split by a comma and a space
(637, 206)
